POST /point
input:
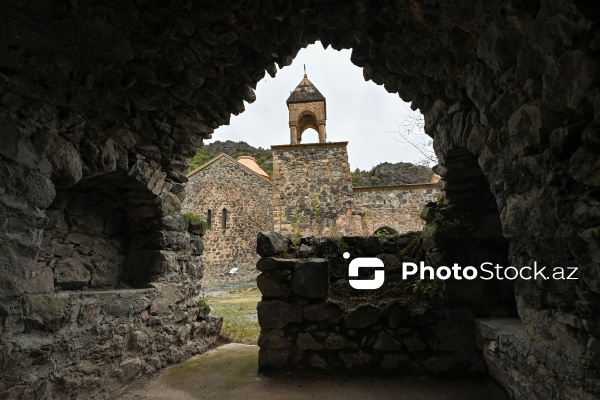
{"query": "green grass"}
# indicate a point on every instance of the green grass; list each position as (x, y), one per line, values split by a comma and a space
(238, 310)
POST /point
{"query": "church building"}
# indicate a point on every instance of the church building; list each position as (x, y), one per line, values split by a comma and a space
(311, 194)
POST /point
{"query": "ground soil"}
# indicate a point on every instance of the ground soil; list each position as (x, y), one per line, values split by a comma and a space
(230, 372)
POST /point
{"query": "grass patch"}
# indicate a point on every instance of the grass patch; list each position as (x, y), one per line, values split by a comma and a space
(238, 310)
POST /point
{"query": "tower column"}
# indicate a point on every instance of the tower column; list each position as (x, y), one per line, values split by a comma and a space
(293, 134)
(322, 134)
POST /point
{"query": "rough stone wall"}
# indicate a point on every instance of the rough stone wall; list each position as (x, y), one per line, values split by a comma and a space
(312, 187)
(85, 344)
(398, 207)
(512, 358)
(225, 184)
(311, 318)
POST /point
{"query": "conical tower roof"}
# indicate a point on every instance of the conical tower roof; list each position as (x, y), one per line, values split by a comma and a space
(305, 92)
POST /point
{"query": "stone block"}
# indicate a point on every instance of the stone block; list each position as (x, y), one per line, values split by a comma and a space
(311, 279)
(70, 273)
(329, 311)
(387, 343)
(413, 342)
(305, 341)
(269, 244)
(396, 313)
(277, 314)
(167, 297)
(46, 312)
(363, 316)
(271, 263)
(335, 341)
(271, 287)
(273, 339)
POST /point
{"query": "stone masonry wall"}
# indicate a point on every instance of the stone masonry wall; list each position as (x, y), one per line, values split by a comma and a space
(85, 344)
(312, 187)
(225, 184)
(311, 318)
(397, 207)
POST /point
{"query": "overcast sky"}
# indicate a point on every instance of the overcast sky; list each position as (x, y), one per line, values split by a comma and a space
(362, 113)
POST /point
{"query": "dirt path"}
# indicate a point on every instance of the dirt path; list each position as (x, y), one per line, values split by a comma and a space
(230, 372)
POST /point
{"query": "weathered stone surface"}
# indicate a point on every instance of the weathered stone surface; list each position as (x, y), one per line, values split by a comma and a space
(273, 339)
(66, 163)
(336, 342)
(329, 311)
(363, 316)
(46, 312)
(396, 314)
(269, 263)
(311, 279)
(271, 287)
(70, 273)
(270, 244)
(277, 314)
(306, 341)
(168, 296)
(386, 343)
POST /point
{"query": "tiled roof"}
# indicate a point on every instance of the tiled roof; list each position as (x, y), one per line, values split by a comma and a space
(305, 92)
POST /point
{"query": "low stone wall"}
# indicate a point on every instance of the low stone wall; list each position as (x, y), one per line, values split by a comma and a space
(512, 358)
(310, 319)
(85, 344)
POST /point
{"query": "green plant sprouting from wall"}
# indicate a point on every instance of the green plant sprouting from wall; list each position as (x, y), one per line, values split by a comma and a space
(296, 234)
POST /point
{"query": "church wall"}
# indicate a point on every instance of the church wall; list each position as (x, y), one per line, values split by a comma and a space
(312, 187)
(247, 199)
(397, 207)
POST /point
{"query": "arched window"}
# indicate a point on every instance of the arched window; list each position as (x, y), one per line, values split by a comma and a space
(209, 217)
(224, 221)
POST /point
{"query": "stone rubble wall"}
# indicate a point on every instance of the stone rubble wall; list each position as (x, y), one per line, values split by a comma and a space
(398, 207)
(85, 344)
(512, 357)
(247, 198)
(311, 319)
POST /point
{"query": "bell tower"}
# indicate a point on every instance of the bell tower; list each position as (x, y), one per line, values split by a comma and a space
(306, 106)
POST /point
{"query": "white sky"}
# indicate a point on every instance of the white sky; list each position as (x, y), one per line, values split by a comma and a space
(362, 113)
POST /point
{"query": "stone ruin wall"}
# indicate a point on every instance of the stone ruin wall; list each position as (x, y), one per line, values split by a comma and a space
(509, 90)
(398, 207)
(311, 318)
(247, 198)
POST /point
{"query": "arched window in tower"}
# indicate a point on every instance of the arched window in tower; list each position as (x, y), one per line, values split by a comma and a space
(209, 217)
(224, 221)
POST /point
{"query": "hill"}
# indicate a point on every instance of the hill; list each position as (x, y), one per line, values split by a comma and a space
(392, 174)
(264, 158)
(382, 174)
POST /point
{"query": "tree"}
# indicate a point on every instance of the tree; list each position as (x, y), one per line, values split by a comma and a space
(411, 132)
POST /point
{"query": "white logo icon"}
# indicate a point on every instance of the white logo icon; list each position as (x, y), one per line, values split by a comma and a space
(365, 262)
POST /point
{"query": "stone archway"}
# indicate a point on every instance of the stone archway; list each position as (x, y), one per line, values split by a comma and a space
(516, 84)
